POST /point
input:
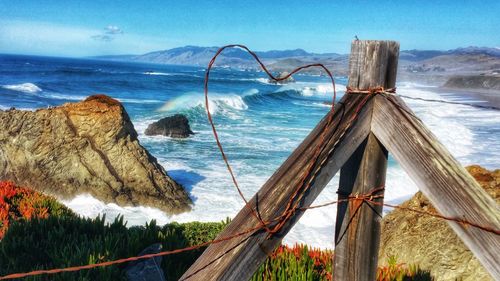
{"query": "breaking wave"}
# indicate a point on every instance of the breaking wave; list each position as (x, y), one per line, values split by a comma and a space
(29, 88)
(217, 103)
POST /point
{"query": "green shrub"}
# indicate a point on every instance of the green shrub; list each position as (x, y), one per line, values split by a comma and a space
(70, 241)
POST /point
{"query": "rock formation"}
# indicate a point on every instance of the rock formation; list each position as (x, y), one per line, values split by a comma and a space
(429, 242)
(176, 126)
(146, 269)
(85, 147)
(282, 75)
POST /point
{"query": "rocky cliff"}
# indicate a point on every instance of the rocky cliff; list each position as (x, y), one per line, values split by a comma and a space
(430, 242)
(85, 147)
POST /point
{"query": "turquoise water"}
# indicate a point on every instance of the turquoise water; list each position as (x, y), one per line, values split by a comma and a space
(259, 124)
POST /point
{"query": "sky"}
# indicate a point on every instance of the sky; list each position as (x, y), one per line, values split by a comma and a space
(87, 28)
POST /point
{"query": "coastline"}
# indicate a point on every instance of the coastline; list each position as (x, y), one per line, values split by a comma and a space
(484, 97)
(492, 97)
(261, 123)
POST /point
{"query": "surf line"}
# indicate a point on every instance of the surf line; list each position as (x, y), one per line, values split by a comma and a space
(452, 102)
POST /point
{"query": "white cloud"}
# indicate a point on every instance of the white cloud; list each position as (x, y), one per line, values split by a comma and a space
(113, 29)
(42, 38)
(109, 34)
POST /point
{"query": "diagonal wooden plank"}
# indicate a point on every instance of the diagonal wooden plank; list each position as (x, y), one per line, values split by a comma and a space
(238, 259)
(452, 191)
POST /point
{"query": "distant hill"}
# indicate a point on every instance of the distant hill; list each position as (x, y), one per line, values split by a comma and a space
(200, 56)
(412, 63)
(436, 67)
(419, 55)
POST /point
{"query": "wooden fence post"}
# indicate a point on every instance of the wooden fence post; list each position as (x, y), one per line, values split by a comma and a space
(238, 258)
(357, 232)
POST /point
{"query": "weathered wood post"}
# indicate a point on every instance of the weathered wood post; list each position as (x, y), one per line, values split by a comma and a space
(357, 233)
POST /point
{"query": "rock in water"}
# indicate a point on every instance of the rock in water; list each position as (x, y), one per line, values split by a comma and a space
(146, 269)
(85, 147)
(282, 75)
(429, 242)
(176, 126)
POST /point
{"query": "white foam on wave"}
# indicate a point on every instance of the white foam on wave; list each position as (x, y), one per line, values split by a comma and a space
(443, 120)
(154, 73)
(29, 88)
(215, 199)
(413, 85)
(158, 73)
(260, 80)
(59, 96)
(217, 102)
(309, 89)
(263, 80)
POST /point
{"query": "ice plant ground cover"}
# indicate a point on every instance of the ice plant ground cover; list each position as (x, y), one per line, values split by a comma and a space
(21, 203)
(301, 262)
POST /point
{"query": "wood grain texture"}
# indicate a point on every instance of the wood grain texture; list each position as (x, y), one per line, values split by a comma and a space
(357, 233)
(451, 190)
(238, 259)
(373, 64)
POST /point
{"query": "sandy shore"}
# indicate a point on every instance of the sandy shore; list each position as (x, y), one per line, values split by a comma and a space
(492, 97)
(488, 97)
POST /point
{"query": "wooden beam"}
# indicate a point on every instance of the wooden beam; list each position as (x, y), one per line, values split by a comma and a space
(449, 187)
(239, 258)
(357, 232)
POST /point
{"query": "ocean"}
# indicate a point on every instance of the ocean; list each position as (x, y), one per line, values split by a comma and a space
(259, 124)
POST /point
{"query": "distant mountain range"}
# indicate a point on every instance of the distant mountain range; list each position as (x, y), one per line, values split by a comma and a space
(200, 56)
(414, 61)
(418, 55)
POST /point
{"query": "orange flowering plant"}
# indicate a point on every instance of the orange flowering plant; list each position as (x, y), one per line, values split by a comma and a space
(22, 203)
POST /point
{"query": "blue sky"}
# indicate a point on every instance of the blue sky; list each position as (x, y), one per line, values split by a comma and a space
(84, 28)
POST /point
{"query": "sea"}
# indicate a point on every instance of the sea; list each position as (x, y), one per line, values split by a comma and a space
(259, 124)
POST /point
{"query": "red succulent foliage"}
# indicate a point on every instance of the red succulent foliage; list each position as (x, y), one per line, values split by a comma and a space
(19, 203)
(321, 259)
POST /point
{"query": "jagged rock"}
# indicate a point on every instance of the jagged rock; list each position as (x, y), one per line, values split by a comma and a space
(429, 242)
(85, 147)
(176, 126)
(282, 75)
(146, 269)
